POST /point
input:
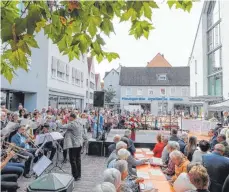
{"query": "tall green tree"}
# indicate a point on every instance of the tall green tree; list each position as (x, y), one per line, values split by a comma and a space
(76, 27)
(109, 95)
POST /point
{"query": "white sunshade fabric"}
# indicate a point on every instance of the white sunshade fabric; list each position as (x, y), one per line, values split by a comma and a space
(223, 106)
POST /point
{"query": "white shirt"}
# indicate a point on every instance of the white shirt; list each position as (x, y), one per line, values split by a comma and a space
(183, 184)
(197, 156)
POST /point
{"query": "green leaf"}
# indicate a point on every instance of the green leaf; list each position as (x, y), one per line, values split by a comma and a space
(100, 40)
(29, 39)
(153, 4)
(107, 26)
(93, 23)
(99, 58)
(171, 3)
(39, 25)
(131, 13)
(110, 56)
(146, 34)
(147, 10)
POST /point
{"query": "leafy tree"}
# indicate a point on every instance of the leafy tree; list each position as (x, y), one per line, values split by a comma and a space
(76, 27)
(109, 95)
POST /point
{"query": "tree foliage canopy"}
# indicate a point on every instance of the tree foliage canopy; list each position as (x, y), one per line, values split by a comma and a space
(109, 95)
(76, 27)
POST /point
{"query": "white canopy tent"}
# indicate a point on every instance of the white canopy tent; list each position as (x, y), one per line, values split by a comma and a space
(223, 106)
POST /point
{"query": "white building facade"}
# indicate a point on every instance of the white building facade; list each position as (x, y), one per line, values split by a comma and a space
(160, 90)
(209, 59)
(52, 80)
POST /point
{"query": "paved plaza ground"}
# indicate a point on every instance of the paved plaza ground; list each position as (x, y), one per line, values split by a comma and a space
(92, 170)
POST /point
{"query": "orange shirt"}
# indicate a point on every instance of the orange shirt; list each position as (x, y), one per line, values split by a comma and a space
(158, 149)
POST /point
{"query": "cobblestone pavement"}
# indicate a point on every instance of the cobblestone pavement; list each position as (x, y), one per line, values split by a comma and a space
(92, 170)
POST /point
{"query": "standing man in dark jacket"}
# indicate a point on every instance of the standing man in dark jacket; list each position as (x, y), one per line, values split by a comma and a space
(217, 166)
(73, 141)
(222, 140)
(131, 147)
(213, 141)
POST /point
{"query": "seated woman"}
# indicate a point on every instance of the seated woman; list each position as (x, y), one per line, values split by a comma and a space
(128, 183)
(104, 187)
(204, 147)
(190, 147)
(199, 178)
(8, 181)
(158, 147)
(182, 183)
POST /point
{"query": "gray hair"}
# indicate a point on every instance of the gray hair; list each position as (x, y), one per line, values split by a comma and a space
(104, 187)
(173, 145)
(219, 147)
(121, 165)
(123, 154)
(127, 133)
(121, 145)
(117, 138)
(113, 176)
(176, 154)
(184, 136)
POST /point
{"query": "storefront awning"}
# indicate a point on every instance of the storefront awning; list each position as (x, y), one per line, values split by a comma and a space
(206, 98)
(223, 106)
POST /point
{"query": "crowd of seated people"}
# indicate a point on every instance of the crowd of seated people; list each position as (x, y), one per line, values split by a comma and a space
(188, 164)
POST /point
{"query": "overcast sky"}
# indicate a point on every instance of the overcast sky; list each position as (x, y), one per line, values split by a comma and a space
(173, 36)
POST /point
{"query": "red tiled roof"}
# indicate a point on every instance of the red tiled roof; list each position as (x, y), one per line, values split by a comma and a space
(159, 61)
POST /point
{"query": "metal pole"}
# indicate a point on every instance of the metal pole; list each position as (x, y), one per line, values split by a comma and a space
(170, 122)
(97, 131)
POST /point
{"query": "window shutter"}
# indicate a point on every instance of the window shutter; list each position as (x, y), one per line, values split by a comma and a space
(81, 76)
(54, 63)
(67, 69)
(62, 66)
(73, 73)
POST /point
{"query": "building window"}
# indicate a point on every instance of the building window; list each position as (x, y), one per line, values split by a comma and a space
(82, 79)
(196, 89)
(172, 91)
(86, 94)
(215, 85)
(91, 95)
(128, 91)
(162, 108)
(162, 77)
(163, 91)
(184, 92)
(87, 82)
(92, 76)
(213, 13)
(110, 83)
(76, 75)
(54, 67)
(92, 85)
(67, 72)
(150, 92)
(139, 91)
(195, 66)
(214, 61)
(61, 70)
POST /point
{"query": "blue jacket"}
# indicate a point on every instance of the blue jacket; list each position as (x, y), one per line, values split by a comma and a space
(182, 145)
(218, 170)
(213, 141)
(17, 141)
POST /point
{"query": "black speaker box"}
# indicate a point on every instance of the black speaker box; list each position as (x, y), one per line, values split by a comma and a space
(98, 100)
(95, 148)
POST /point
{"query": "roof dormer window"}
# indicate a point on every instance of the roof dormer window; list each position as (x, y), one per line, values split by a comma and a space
(161, 77)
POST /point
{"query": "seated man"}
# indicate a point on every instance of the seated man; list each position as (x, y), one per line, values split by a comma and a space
(20, 139)
(49, 146)
(217, 166)
(112, 147)
(8, 181)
